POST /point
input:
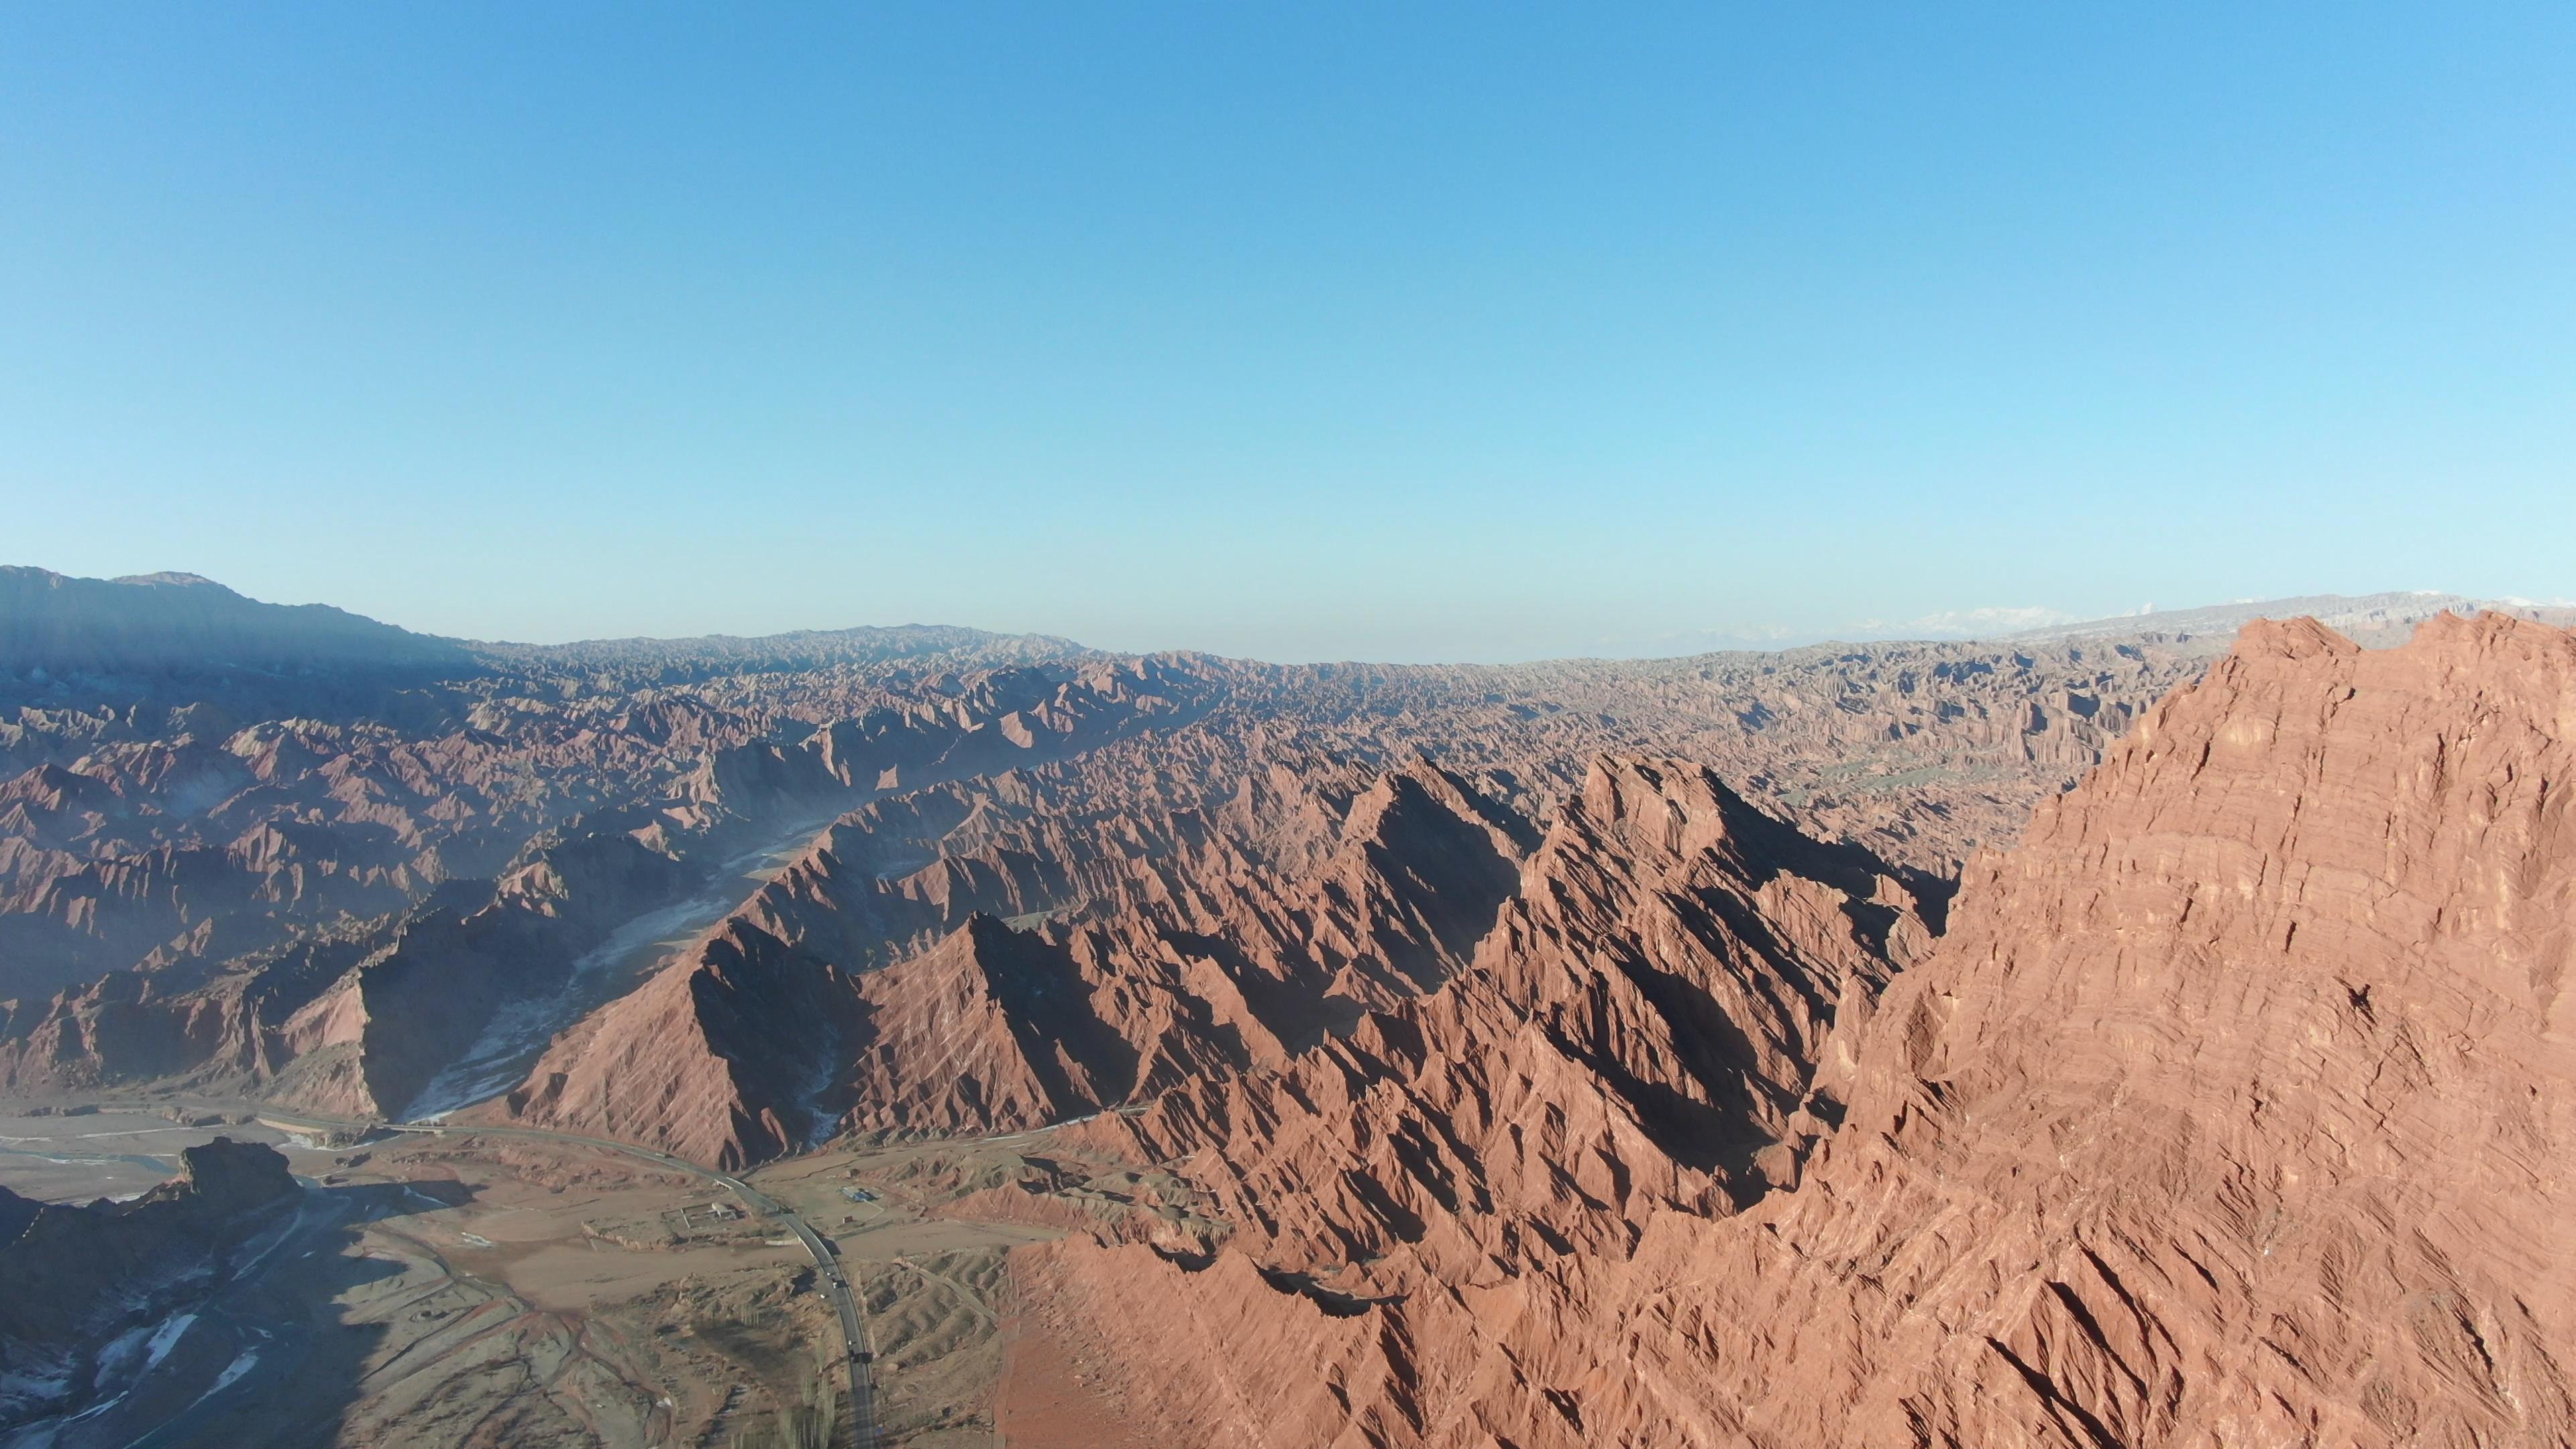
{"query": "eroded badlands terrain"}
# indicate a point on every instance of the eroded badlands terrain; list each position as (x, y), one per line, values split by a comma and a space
(2130, 1036)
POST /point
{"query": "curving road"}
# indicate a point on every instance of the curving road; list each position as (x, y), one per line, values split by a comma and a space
(854, 1330)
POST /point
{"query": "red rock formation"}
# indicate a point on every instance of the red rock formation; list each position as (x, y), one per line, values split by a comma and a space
(709, 1059)
(196, 829)
(351, 831)
(1635, 1034)
(1189, 961)
(2229, 1112)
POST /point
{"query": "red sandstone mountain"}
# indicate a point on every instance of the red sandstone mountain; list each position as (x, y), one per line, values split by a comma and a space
(1636, 1035)
(191, 861)
(1567, 1047)
(2229, 1111)
(1182, 956)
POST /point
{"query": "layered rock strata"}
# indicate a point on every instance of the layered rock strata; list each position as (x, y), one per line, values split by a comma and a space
(2228, 1111)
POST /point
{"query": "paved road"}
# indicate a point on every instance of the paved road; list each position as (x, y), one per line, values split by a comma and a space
(854, 1330)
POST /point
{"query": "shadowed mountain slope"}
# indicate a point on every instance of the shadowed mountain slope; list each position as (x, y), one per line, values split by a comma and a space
(155, 623)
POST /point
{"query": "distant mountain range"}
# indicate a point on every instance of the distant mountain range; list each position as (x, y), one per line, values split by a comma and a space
(54, 626)
(798, 649)
(2371, 618)
(155, 624)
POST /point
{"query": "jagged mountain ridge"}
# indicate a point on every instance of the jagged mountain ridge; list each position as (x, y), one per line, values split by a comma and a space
(237, 875)
(1183, 956)
(175, 886)
(1536, 1085)
(241, 1003)
(2223, 1114)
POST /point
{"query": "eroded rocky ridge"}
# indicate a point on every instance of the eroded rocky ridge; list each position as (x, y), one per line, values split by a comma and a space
(268, 962)
(235, 877)
(2229, 1110)
(1636, 1034)
(377, 893)
(1320, 844)
(1203, 938)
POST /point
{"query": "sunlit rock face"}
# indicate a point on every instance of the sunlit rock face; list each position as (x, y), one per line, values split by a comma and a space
(2227, 1111)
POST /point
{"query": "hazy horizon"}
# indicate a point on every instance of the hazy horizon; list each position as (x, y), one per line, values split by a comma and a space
(1644, 643)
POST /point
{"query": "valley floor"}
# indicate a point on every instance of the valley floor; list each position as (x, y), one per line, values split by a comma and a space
(461, 1291)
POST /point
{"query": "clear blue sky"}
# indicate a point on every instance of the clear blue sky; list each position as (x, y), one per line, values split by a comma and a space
(1461, 331)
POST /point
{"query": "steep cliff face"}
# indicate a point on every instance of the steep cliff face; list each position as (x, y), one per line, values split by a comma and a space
(2229, 1111)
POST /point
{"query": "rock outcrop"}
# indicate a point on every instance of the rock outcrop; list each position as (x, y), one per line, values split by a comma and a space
(2228, 1111)
(73, 1277)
